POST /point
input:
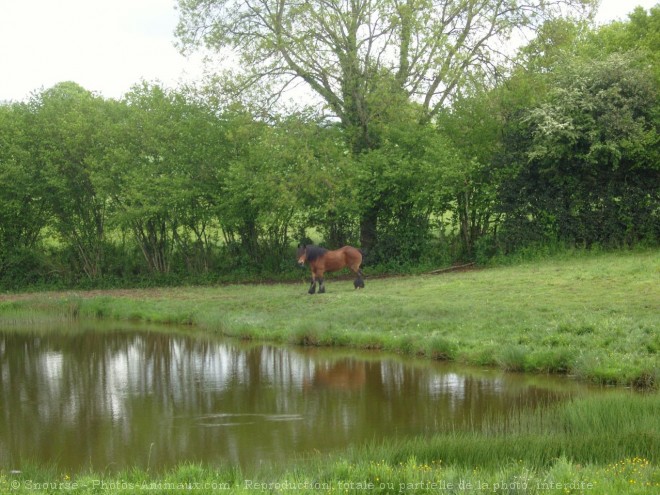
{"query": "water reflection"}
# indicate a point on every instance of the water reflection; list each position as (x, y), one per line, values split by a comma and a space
(123, 398)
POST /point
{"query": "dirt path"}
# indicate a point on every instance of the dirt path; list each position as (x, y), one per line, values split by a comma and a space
(181, 292)
(152, 293)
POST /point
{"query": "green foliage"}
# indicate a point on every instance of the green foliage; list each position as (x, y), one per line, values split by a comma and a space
(368, 61)
(23, 199)
(590, 169)
(348, 54)
(163, 176)
(66, 129)
(564, 151)
(407, 181)
(279, 179)
(473, 126)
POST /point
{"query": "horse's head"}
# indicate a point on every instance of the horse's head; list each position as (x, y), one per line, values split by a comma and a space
(301, 255)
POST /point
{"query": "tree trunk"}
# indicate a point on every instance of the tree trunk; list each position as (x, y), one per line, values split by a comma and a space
(368, 224)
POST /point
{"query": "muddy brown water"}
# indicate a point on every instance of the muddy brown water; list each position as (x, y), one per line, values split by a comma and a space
(122, 397)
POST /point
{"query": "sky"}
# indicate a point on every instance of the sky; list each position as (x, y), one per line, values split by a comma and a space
(107, 46)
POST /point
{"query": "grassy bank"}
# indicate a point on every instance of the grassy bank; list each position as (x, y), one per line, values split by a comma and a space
(597, 445)
(591, 316)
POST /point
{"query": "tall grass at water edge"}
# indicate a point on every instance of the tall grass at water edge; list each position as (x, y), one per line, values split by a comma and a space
(603, 444)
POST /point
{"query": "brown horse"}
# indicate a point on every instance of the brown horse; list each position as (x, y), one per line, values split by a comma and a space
(322, 260)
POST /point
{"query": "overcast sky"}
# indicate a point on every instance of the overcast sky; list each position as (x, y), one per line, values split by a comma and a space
(107, 46)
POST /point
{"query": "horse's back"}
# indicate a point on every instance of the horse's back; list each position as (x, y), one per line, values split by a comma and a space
(352, 256)
(354, 253)
(340, 258)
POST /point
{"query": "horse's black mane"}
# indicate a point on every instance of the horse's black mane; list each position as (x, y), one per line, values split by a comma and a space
(314, 252)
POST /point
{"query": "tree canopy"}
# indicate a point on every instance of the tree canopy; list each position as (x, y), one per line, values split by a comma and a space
(345, 50)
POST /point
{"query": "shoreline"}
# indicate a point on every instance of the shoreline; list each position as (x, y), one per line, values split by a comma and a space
(590, 318)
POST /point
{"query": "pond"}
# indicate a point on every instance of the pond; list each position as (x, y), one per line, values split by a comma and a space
(119, 397)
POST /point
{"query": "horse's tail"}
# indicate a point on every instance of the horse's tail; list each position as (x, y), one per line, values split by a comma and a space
(364, 256)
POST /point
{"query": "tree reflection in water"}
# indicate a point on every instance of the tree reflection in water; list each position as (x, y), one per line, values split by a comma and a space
(114, 399)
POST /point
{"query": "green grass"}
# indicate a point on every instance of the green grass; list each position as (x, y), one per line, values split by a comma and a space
(603, 444)
(592, 316)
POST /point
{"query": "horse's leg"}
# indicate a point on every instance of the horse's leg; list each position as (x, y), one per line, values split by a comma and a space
(312, 288)
(321, 283)
(358, 283)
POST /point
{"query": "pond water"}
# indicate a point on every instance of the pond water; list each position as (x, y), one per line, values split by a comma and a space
(119, 397)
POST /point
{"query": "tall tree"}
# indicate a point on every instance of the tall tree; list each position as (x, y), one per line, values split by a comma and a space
(163, 175)
(587, 157)
(68, 128)
(24, 208)
(347, 50)
(475, 122)
(341, 47)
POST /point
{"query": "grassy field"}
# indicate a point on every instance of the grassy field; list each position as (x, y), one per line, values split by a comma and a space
(591, 316)
(595, 317)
